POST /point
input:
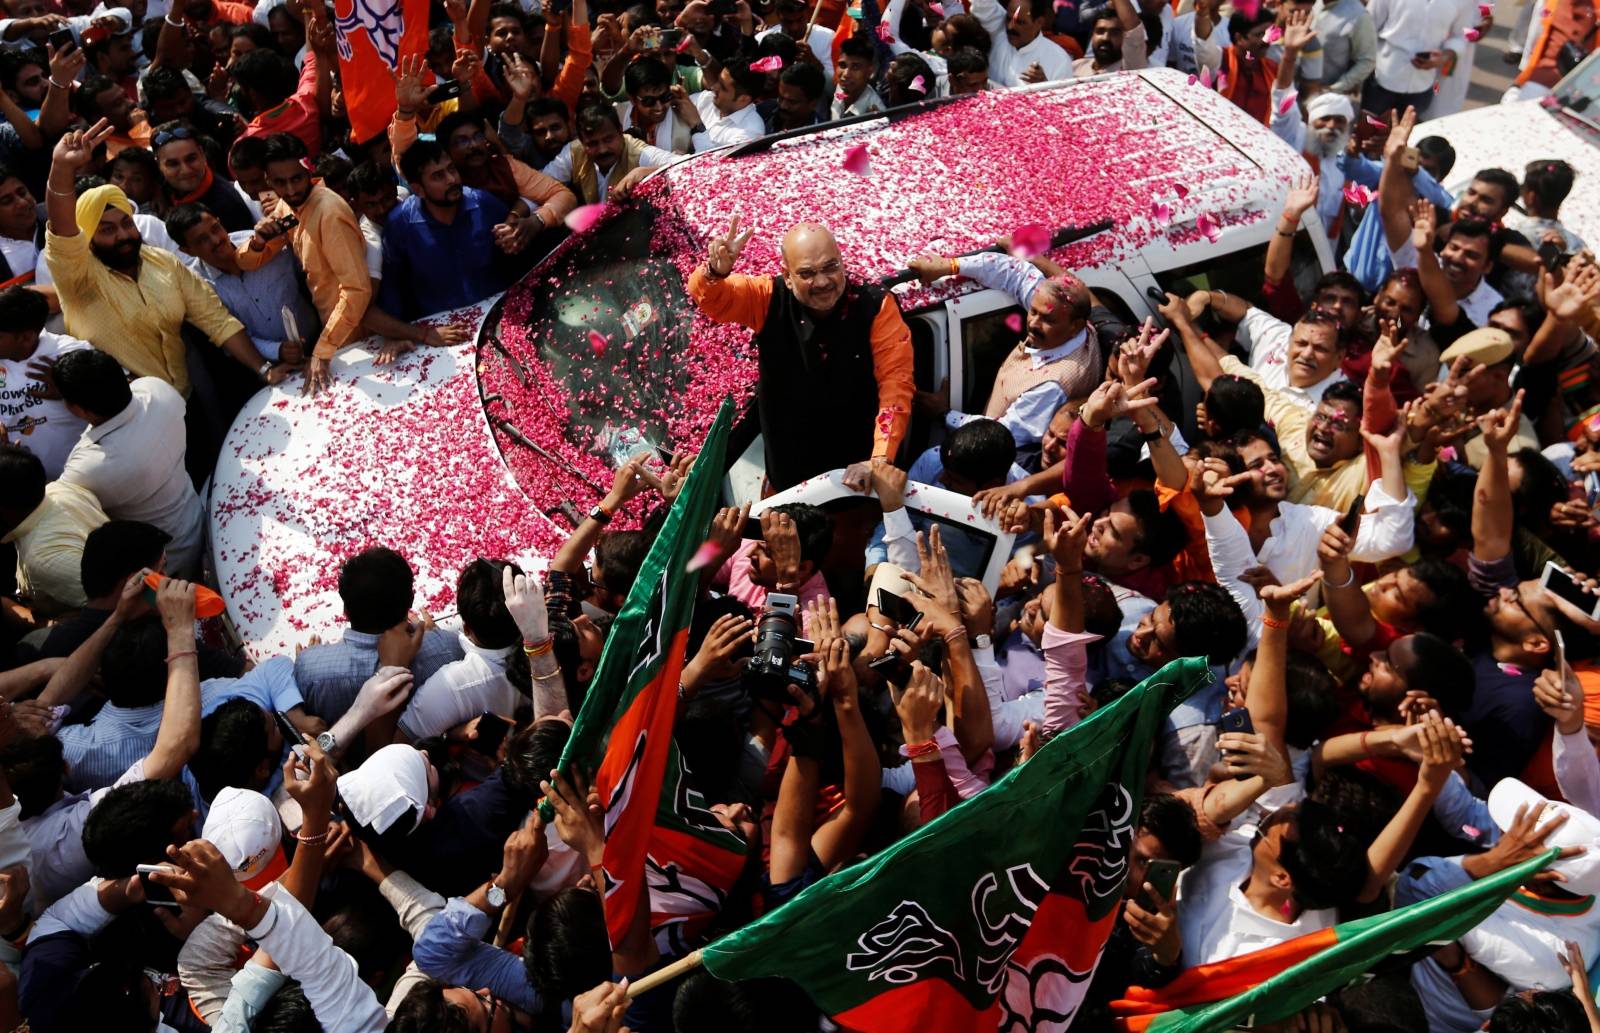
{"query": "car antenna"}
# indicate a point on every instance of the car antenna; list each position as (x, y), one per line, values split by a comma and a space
(510, 430)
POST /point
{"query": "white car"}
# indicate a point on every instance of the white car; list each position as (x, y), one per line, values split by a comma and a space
(1565, 125)
(1149, 183)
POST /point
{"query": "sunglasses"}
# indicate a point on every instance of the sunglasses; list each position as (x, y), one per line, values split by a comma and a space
(166, 136)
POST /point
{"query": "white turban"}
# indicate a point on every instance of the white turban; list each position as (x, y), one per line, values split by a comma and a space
(1328, 104)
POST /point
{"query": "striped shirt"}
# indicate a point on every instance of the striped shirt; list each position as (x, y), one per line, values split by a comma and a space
(331, 674)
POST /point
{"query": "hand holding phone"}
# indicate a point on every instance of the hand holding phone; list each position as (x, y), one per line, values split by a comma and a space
(295, 741)
(1160, 875)
(1351, 521)
(1237, 720)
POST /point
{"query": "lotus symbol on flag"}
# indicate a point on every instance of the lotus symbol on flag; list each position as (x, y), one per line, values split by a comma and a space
(906, 941)
(382, 21)
(1042, 998)
(1101, 856)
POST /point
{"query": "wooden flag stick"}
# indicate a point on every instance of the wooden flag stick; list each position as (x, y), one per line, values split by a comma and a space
(688, 963)
(816, 9)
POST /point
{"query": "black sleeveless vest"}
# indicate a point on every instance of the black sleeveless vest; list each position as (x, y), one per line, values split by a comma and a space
(817, 392)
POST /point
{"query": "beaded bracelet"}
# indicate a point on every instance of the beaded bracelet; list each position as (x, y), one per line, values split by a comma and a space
(1273, 622)
(181, 654)
(311, 840)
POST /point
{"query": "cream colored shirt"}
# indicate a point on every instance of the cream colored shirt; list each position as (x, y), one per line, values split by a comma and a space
(49, 544)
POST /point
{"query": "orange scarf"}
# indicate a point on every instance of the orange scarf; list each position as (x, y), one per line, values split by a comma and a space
(1250, 84)
(201, 191)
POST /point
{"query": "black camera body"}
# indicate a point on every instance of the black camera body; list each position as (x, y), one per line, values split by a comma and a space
(772, 668)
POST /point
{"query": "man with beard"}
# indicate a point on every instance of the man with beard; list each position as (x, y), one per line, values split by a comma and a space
(1058, 357)
(1021, 53)
(603, 158)
(1331, 116)
(1116, 41)
(326, 239)
(128, 300)
(1300, 361)
(187, 178)
(837, 351)
(439, 244)
(799, 100)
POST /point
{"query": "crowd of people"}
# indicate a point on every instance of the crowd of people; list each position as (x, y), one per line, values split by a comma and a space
(1369, 505)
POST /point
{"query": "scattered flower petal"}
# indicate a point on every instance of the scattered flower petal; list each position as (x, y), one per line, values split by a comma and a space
(1161, 212)
(1193, 79)
(1377, 123)
(1485, 10)
(1181, 190)
(1222, 82)
(918, 85)
(1287, 103)
(1065, 5)
(1014, 322)
(703, 557)
(684, 44)
(1472, 831)
(937, 9)
(857, 160)
(770, 63)
(1208, 226)
(840, 95)
(1205, 78)
(584, 216)
(1358, 195)
(1272, 35)
(1248, 8)
(1030, 239)
(884, 34)
(598, 342)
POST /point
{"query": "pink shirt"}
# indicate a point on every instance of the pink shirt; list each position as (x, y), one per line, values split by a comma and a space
(736, 575)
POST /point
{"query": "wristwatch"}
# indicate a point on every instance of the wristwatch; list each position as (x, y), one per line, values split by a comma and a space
(327, 742)
(496, 895)
(265, 368)
(599, 515)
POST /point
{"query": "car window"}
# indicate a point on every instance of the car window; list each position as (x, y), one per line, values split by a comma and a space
(1580, 90)
(1238, 273)
(969, 548)
(986, 340)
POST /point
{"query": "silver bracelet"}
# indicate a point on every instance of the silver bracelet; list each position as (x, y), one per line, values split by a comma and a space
(1347, 581)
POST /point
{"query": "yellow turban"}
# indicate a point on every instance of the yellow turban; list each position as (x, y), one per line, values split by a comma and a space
(93, 204)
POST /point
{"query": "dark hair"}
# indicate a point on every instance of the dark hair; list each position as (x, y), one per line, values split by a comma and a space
(1107, 691)
(481, 602)
(1440, 151)
(256, 33)
(567, 949)
(1098, 15)
(593, 118)
(35, 768)
(109, 997)
(455, 120)
(1502, 179)
(116, 549)
(375, 585)
(805, 77)
(93, 380)
(1541, 1011)
(424, 1010)
(1328, 865)
(902, 72)
(1172, 821)
(84, 98)
(1038, 9)
(283, 146)
(618, 555)
(1344, 391)
(22, 479)
(13, 61)
(1236, 404)
(751, 84)
(1442, 671)
(138, 157)
(645, 73)
(1543, 485)
(1241, 25)
(981, 451)
(1339, 280)
(966, 60)
(1161, 533)
(965, 30)
(1549, 180)
(267, 73)
(419, 156)
(1529, 309)
(531, 755)
(1312, 693)
(184, 218)
(1476, 229)
(247, 152)
(860, 47)
(134, 668)
(703, 1002)
(812, 526)
(333, 169)
(233, 742)
(1455, 607)
(1206, 621)
(370, 178)
(287, 1011)
(132, 825)
(23, 310)
(549, 106)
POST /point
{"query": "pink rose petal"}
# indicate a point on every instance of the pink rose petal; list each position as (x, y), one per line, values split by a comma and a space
(703, 557)
(1248, 8)
(581, 218)
(937, 9)
(840, 95)
(1161, 212)
(1181, 190)
(1030, 239)
(1205, 78)
(1473, 35)
(1472, 831)
(857, 160)
(918, 85)
(884, 33)
(1014, 323)
(1287, 103)
(770, 63)
(1193, 79)
(1272, 35)
(685, 43)
(1357, 195)
(1222, 82)
(1377, 123)
(598, 342)
(1208, 226)
(1485, 10)
(1065, 5)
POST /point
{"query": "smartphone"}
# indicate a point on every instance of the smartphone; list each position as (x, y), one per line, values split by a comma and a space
(896, 608)
(288, 222)
(1162, 875)
(155, 894)
(892, 669)
(1551, 255)
(447, 90)
(670, 38)
(492, 731)
(1352, 516)
(652, 41)
(932, 655)
(61, 39)
(1562, 584)
(1237, 720)
(292, 736)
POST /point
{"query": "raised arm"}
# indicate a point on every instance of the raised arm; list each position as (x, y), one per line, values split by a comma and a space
(1444, 309)
(838, 838)
(1565, 306)
(1266, 698)
(1341, 594)
(1395, 192)
(525, 601)
(1492, 517)
(178, 736)
(1205, 355)
(1441, 754)
(1280, 249)
(72, 678)
(72, 153)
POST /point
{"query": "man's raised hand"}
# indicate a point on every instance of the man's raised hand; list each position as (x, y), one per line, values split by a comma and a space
(723, 251)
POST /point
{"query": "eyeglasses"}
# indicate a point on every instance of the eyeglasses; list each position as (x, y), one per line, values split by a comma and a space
(1528, 613)
(166, 136)
(1335, 420)
(830, 269)
(653, 100)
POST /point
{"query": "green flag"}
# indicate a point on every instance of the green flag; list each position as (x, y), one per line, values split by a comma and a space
(1285, 978)
(991, 915)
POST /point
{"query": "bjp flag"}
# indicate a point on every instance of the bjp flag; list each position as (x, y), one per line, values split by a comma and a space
(372, 36)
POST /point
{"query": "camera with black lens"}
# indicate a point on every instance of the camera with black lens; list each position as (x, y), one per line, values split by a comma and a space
(772, 668)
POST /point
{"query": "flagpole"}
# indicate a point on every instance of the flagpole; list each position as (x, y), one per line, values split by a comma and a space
(816, 10)
(688, 963)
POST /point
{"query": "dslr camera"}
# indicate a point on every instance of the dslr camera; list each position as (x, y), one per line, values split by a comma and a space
(772, 668)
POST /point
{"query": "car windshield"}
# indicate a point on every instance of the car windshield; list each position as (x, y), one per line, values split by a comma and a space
(1580, 90)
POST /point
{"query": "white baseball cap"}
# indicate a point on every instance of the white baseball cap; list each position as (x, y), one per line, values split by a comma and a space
(392, 783)
(1582, 873)
(244, 826)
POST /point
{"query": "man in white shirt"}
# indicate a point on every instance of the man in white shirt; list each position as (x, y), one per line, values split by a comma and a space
(1020, 53)
(477, 683)
(1416, 38)
(1116, 41)
(858, 63)
(32, 413)
(648, 109)
(727, 108)
(793, 18)
(132, 454)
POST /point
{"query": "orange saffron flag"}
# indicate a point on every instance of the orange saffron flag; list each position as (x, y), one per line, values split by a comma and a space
(372, 36)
